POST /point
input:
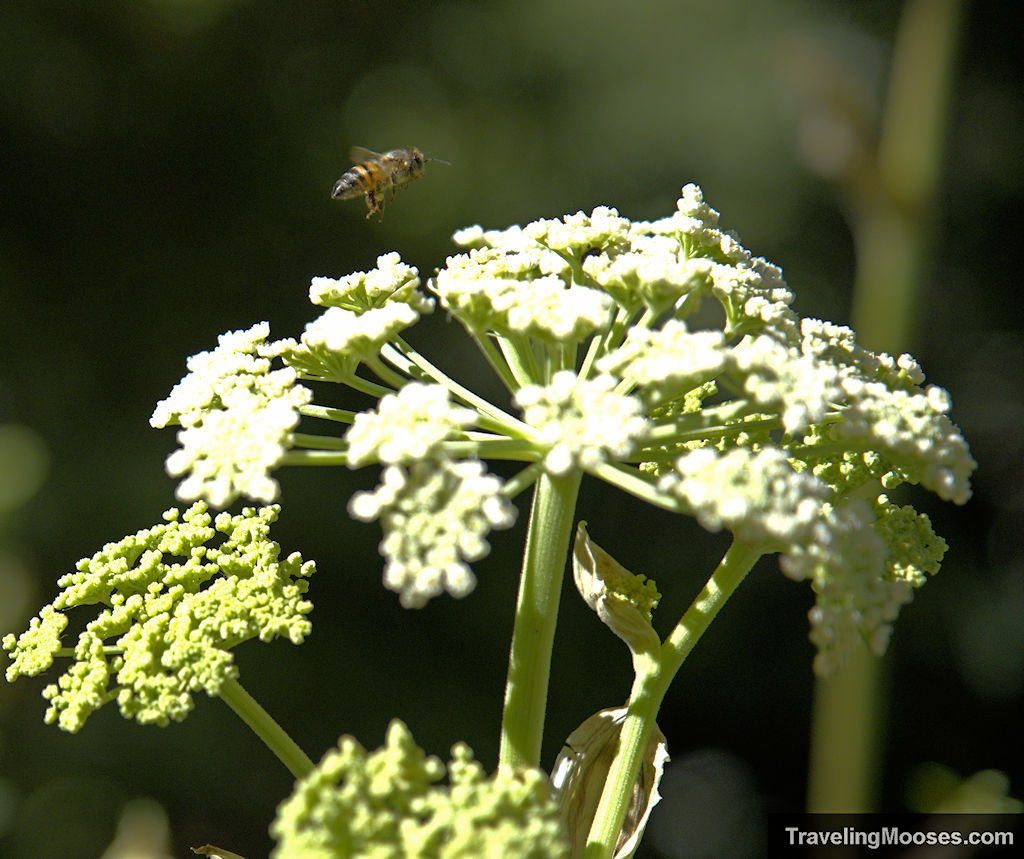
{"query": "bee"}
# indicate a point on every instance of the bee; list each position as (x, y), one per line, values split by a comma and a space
(375, 173)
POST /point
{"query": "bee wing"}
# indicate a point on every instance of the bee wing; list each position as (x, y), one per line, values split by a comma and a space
(359, 154)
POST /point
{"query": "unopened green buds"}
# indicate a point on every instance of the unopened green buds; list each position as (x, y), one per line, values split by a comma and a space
(623, 600)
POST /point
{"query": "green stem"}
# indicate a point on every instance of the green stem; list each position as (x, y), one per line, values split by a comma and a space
(365, 386)
(340, 415)
(385, 373)
(846, 736)
(495, 447)
(521, 361)
(597, 346)
(313, 457)
(649, 688)
(496, 360)
(893, 209)
(263, 725)
(628, 479)
(491, 416)
(521, 481)
(671, 433)
(533, 633)
(732, 569)
(318, 442)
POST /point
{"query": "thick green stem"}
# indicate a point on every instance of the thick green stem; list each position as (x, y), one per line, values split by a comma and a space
(846, 741)
(533, 633)
(649, 688)
(263, 725)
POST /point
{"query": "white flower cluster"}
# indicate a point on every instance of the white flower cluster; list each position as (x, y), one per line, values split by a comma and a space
(669, 361)
(406, 426)
(830, 415)
(755, 297)
(913, 432)
(512, 240)
(435, 512)
(237, 416)
(391, 281)
(575, 235)
(520, 293)
(695, 220)
(581, 423)
(765, 502)
(652, 273)
(552, 311)
(334, 344)
(836, 344)
(750, 288)
(758, 496)
(799, 388)
(637, 264)
(772, 421)
(855, 601)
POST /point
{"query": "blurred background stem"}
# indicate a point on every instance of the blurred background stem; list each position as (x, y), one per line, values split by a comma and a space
(891, 200)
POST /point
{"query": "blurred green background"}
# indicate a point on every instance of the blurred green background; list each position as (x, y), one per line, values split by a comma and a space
(165, 176)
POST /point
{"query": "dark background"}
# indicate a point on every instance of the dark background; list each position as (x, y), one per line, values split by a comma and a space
(165, 176)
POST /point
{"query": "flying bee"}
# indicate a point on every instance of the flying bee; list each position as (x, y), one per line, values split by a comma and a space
(375, 173)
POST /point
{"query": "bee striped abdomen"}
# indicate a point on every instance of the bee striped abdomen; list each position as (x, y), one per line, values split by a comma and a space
(359, 180)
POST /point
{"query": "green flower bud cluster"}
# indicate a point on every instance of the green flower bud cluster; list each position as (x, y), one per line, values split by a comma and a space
(171, 605)
(388, 804)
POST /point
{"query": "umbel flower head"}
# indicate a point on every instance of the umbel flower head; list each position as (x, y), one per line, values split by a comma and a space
(389, 802)
(172, 605)
(780, 429)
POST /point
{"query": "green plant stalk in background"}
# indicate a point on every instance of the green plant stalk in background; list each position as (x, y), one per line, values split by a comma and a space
(891, 205)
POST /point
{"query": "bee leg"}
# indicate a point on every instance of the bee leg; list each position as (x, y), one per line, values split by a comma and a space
(381, 203)
(372, 203)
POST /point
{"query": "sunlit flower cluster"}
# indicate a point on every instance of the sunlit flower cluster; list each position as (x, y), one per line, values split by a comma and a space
(389, 802)
(487, 291)
(171, 608)
(391, 281)
(435, 512)
(764, 424)
(913, 431)
(758, 496)
(581, 423)
(237, 415)
(669, 361)
(406, 426)
(333, 346)
(435, 516)
(778, 379)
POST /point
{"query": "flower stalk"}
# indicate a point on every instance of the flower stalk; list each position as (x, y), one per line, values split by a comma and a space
(654, 674)
(533, 632)
(265, 727)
